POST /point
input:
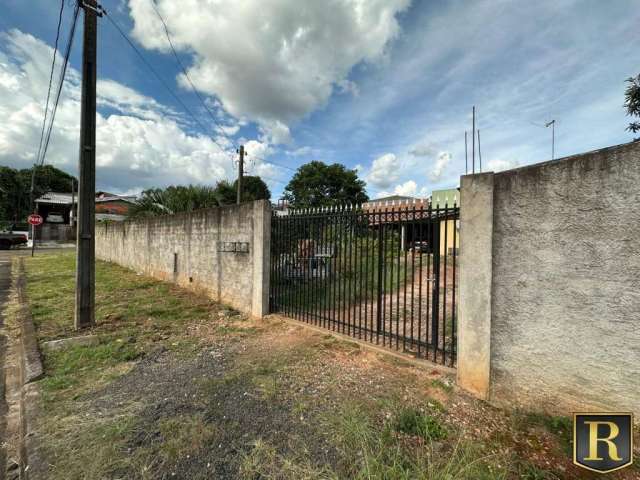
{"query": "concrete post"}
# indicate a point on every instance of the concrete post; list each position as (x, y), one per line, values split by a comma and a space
(474, 323)
(261, 257)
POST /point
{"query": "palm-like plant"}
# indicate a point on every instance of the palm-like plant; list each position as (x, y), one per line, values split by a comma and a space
(174, 199)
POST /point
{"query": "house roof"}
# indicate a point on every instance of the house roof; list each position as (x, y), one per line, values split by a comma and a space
(55, 198)
(59, 198)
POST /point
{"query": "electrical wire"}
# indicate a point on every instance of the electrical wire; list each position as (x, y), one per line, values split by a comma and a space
(53, 66)
(186, 74)
(63, 73)
(161, 80)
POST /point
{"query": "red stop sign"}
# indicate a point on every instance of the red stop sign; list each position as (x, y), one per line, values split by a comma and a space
(34, 219)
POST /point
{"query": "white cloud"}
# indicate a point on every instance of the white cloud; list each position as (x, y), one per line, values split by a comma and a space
(441, 163)
(497, 165)
(271, 60)
(300, 152)
(422, 151)
(408, 188)
(142, 144)
(275, 132)
(384, 171)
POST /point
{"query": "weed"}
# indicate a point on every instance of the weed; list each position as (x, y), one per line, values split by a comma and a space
(437, 383)
(413, 422)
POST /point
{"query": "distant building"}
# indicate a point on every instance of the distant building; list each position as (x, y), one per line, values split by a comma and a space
(59, 208)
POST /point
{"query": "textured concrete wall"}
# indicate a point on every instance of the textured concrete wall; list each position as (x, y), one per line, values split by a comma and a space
(186, 249)
(474, 315)
(565, 329)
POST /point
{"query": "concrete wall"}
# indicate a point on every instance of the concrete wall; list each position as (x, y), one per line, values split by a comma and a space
(195, 250)
(565, 292)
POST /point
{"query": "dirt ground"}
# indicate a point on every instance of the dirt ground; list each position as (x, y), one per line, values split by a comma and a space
(180, 387)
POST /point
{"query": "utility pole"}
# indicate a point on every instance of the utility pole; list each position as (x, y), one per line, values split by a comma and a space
(240, 173)
(85, 267)
(73, 201)
(552, 123)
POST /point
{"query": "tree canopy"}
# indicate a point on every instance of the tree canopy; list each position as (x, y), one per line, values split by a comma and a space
(632, 102)
(317, 184)
(15, 186)
(175, 199)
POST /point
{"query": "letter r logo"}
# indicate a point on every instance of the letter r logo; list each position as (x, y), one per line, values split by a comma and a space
(603, 442)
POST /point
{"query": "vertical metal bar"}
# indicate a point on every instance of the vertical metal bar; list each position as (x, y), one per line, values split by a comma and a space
(273, 282)
(350, 267)
(337, 251)
(340, 280)
(444, 289)
(390, 288)
(404, 282)
(380, 279)
(453, 292)
(385, 274)
(399, 239)
(360, 258)
(413, 274)
(430, 275)
(310, 297)
(365, 275)
(321, 267)
(374, 263)
(435, 284)
(420, 236)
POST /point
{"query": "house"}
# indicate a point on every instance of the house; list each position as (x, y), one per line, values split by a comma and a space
(112, 207)
(449, 229)
(59, 210)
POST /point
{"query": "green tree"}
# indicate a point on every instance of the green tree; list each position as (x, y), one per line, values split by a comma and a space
(317, 184)
(175, 199)
(253, 188)
(632, 102)
(15, 187)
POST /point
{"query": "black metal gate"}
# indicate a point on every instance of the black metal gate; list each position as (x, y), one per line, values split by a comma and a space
(386, 275)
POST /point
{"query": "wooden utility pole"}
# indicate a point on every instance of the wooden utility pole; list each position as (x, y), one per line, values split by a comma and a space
(240, 173)
(85, 267)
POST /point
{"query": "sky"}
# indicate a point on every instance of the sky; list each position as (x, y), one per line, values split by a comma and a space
(385, 87)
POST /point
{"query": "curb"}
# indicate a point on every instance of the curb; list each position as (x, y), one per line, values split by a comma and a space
(24, 350)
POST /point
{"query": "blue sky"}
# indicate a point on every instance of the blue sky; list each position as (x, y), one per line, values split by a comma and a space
(384, 86)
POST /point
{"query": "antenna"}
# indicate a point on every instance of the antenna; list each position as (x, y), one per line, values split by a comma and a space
(479, 151)
(473, 140)
(552, 124)
(466, 155)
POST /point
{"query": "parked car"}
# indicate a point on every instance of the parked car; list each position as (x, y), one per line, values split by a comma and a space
(8, 240)
(421, 247)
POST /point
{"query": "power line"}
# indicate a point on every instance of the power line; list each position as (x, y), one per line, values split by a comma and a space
(161, 80)
(53, 66)
(63, 72)
(184, 71)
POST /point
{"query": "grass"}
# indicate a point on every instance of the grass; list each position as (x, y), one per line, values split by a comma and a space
(376, 450)
(124, 301)
(358, 415)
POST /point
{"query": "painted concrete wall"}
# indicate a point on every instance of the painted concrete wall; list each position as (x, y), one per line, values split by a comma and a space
(565, 310)
(474, 314)
(194, 250)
